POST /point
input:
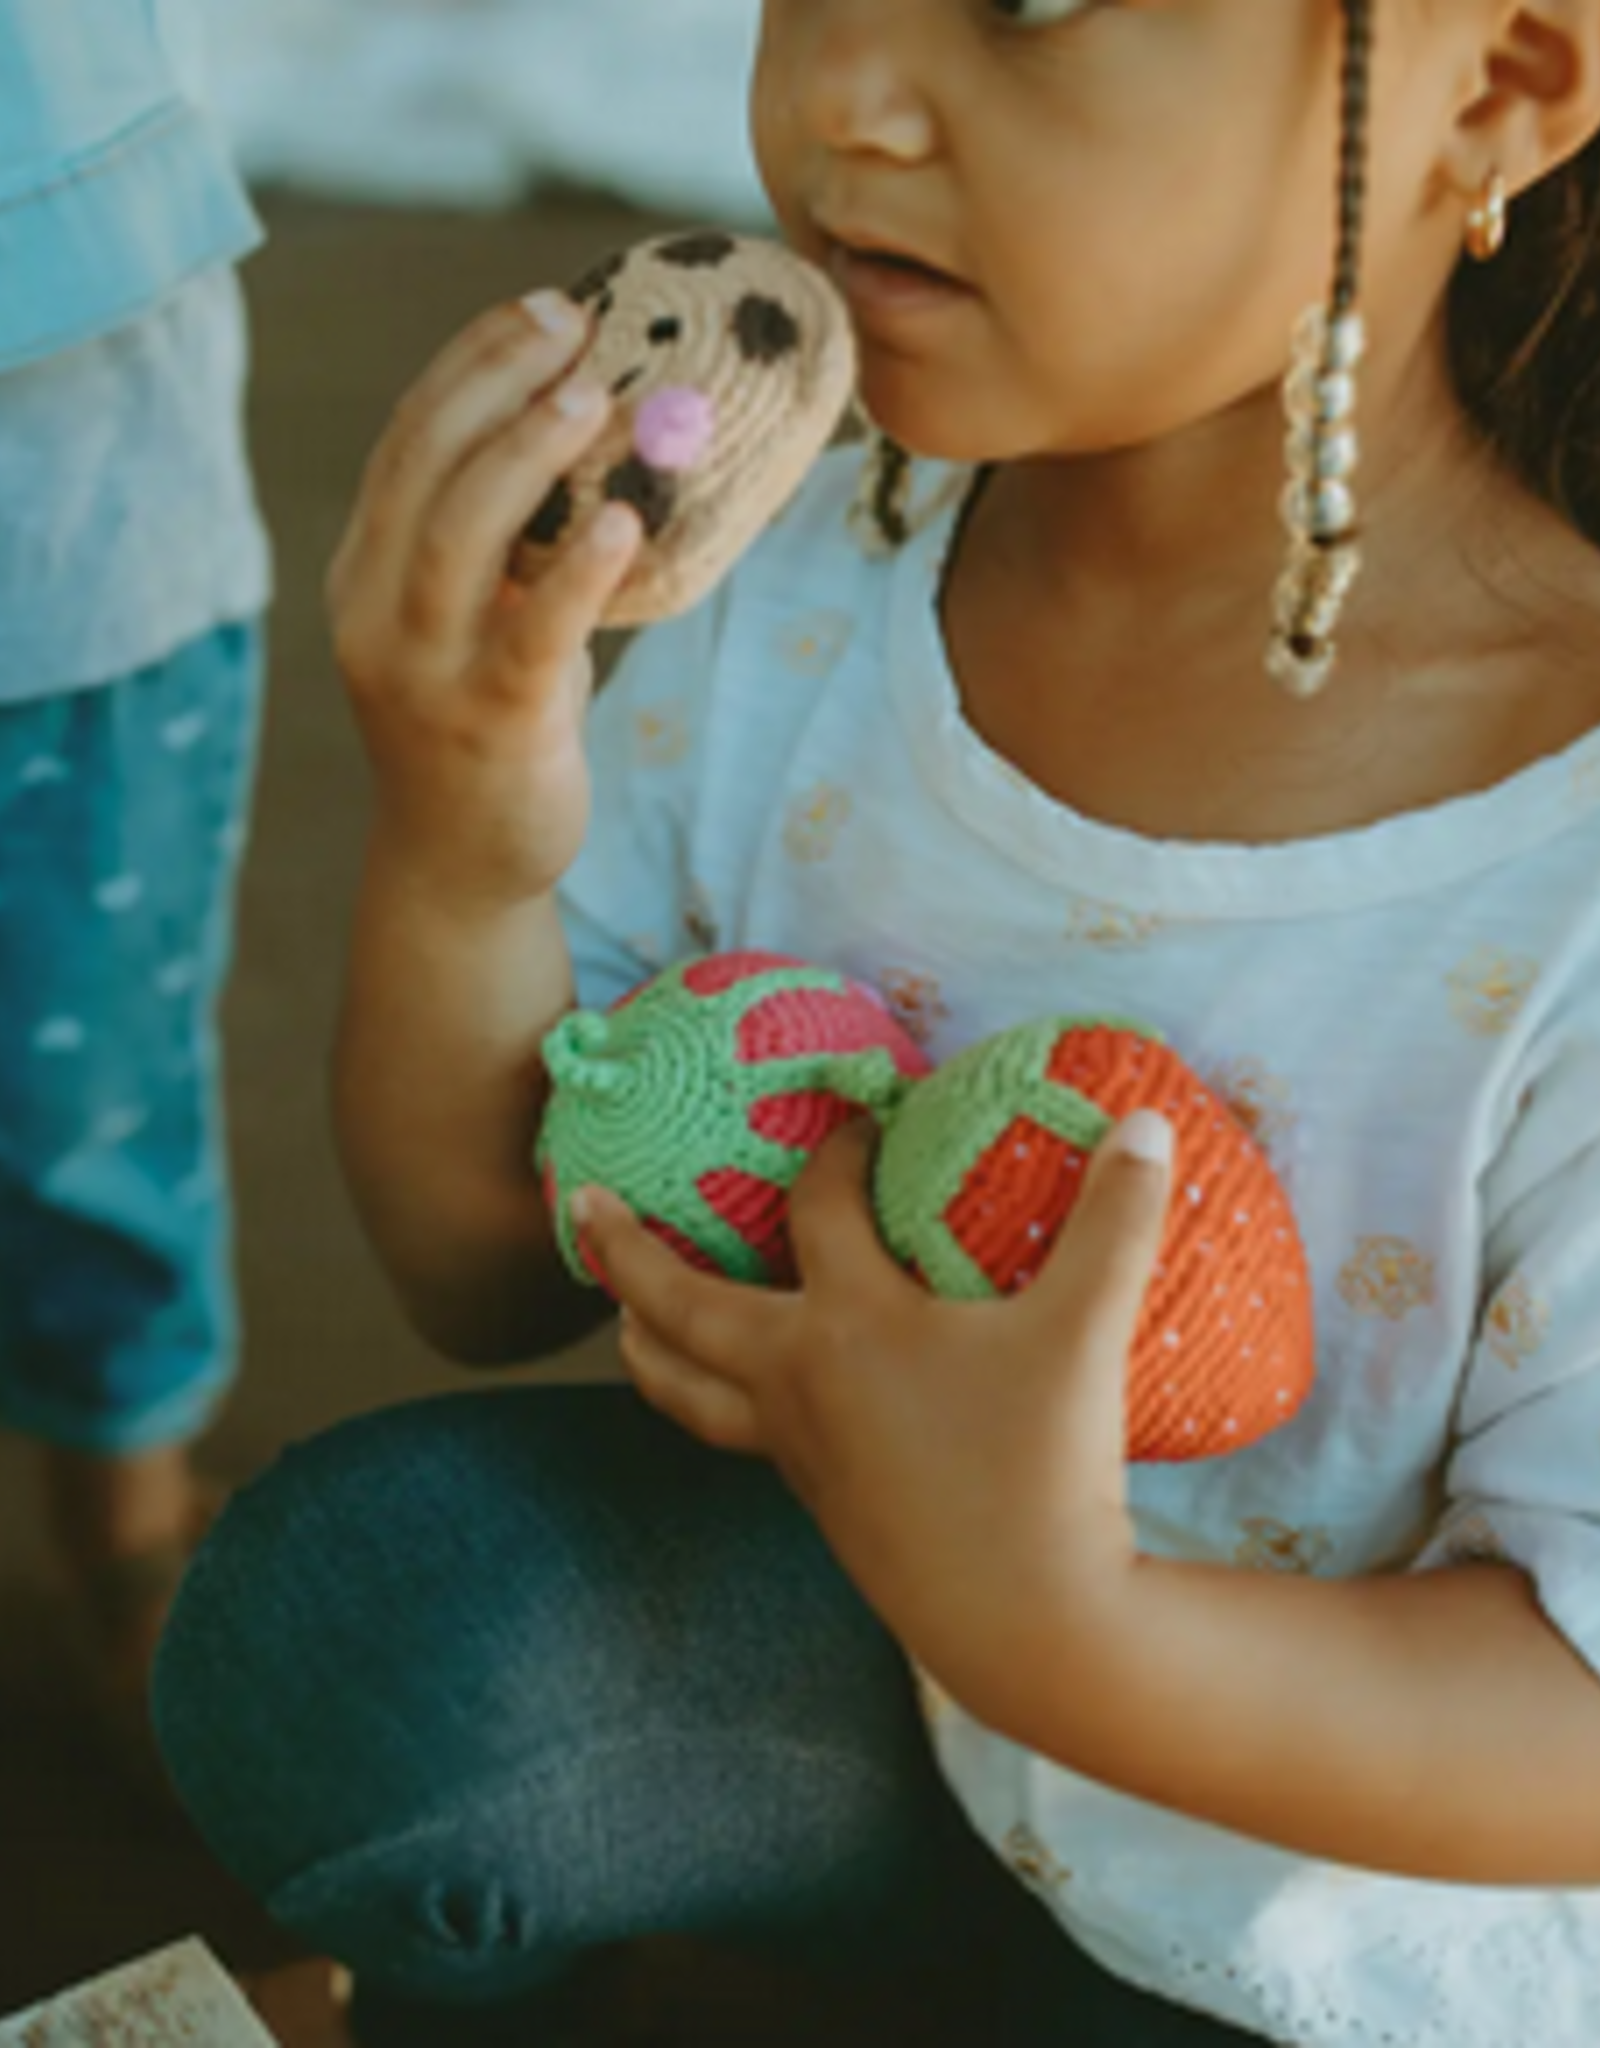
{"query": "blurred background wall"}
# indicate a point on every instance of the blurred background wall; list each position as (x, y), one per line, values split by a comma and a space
(472, 102)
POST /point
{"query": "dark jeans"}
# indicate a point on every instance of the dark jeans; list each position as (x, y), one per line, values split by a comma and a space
(470, 1689)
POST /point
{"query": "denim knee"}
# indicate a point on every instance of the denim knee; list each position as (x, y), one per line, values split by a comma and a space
(464, 1689)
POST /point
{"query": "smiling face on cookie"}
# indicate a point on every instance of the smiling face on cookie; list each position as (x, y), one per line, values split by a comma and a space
(731, 361)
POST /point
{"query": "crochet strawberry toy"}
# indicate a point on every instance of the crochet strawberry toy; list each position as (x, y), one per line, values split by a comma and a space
(700, 1097)
(982, 1165)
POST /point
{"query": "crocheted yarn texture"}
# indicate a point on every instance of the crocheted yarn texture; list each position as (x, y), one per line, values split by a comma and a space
(983, 1163)
(700, 1097)
(731, 360)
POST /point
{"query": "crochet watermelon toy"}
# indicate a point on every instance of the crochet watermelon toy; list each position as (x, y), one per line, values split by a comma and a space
(699, 1098)
(982, 1165)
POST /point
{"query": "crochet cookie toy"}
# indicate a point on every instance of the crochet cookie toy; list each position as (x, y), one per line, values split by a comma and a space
(699, 1098)
(733, 361)
(981, 1166)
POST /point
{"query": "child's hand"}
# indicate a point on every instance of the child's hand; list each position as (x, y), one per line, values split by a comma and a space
(965, 1461)
(471, 692)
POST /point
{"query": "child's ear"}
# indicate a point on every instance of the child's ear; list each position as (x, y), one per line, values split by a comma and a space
(1539, 97)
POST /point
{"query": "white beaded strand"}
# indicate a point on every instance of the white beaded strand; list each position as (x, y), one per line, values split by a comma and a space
(1319, 505)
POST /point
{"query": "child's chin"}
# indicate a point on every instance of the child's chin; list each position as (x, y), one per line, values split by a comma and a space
(914, 418)
(922, 437)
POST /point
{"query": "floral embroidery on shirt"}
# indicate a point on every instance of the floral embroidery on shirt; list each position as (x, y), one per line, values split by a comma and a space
(916, 1001)
(815, 645)
(816, 821)
(1090, 923)
(700, 918)
(660, 736)
(1270, 1546)
(1261, 1100)
(1489, 991)
(1033, 1862)
(1517, 1323)
(1389, 1277)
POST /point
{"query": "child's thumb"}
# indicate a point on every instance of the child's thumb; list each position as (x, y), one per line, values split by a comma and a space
(1100, 1271)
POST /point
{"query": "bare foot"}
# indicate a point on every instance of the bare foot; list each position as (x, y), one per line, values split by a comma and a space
(304, 2005)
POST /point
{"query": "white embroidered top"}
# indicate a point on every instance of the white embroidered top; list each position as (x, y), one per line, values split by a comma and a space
(1407, 1016)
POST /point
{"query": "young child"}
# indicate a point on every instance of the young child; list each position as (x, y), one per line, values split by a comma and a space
(1300, 1746)
(133, 570)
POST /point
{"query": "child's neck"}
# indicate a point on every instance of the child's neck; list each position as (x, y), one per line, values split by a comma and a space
(1107, 620)
(1184, 535)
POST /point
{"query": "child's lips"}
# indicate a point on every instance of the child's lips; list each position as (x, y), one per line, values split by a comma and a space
(879, 281)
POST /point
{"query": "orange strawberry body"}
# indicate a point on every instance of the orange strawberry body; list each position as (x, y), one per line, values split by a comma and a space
(985, 1161)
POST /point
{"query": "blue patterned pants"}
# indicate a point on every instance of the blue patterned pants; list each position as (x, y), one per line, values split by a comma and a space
(122, 817)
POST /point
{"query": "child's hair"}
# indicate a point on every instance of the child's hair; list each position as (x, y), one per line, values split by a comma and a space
(1525, 341)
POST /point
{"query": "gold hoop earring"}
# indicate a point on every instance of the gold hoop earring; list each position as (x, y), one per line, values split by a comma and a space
(1489, 221)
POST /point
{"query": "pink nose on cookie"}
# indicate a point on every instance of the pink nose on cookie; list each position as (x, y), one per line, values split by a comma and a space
(674, 427)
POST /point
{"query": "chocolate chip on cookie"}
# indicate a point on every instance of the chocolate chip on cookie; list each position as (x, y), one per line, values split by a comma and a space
(730, 361)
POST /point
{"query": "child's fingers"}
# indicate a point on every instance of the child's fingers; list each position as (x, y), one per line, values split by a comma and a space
(500, 366)
(549, 626)
(1096, 1280)
(548, 313)
(720, 1415)
(465, 539)
(837, 1244)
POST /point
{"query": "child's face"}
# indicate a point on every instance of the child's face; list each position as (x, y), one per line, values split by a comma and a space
(1129, 202)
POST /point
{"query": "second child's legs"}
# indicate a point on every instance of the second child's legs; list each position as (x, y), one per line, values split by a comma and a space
(474, 1688)
(121, 821)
